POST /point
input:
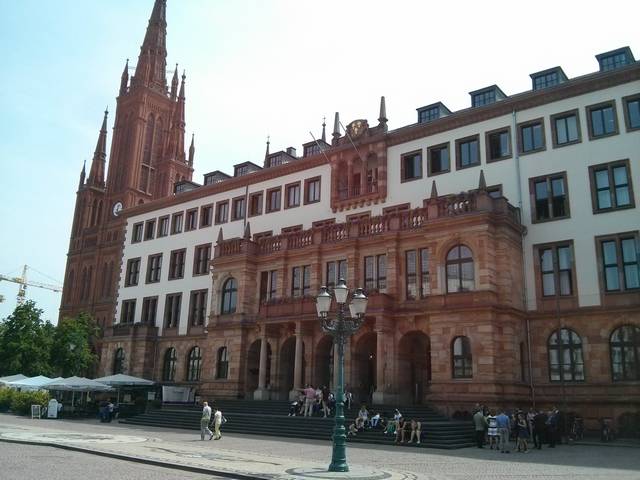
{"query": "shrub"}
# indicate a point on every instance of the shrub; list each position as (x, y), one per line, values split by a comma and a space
(22, 401)
(6, 395)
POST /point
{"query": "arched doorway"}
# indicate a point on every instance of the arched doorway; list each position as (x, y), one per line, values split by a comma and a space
(323, 375)
(287, 365)
(253, 367)
(414, 366)
(364, 368)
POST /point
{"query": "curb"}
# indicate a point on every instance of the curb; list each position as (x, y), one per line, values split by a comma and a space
(606, 444)
(157, 463)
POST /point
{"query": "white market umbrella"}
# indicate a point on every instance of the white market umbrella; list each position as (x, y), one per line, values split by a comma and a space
(122, 380)
(33, 383)
(77, 384)
(12, 378)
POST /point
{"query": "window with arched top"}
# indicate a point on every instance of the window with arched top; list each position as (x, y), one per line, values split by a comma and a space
(461, 360)
(194, 364)
(118, 361)
(169, 365)
(565, 356)
(229, 296)
(625, 353)
(460, 273)
(223, 363)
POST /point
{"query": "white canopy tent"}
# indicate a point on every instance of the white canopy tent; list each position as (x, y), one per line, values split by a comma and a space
(12, 378)
(122, 380)
(33, 383)
(77, 384)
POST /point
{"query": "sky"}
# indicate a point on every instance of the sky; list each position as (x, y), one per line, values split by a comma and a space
(254, 68)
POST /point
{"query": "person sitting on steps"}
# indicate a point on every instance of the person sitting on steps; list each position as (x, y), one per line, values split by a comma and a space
(415, 431)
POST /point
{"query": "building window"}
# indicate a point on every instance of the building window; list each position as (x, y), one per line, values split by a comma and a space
(223, 363)
(460, 272)
(461, 360)
(498, 144)
(197, 307)
(611, 187)
(149, 308)
(417, 274)
(565, 128)
(128, 313)
(268, 285)
(163, 227)
(531, 136)
(154, 268)
(375, 272)
(602, 120)
(238, 208)
(625, 353)
(312, 190)
(118, 362)
(293, 195)
(335, 271)
(411, 166)
(133, 272)
(255, 204)
(206, 216)
(632, 112)
(176, 264)
(620, 262)
(229, 296)
(176, 223)
(546, 80)
(468, 152)
(149, 229)
(549, 198)
(301, 281)
(201, 257)
(137, 233)
(483, 98)
(169, 365)
(273, 200)
(556, 270)
(613, 61)
(172, 310)
(194, 364)
(565, 356)
(222, 212)
(192, 220)
(428, 114)
(438, 159)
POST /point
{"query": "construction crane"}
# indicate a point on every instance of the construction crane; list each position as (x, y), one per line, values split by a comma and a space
(22, 281)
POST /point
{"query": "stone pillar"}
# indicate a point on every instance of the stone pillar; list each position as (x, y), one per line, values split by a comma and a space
(297, 370)
(384, 362)
(262, 393)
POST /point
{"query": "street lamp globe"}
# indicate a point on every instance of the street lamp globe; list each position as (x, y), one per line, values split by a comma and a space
(358, 304)
(323, 302)
(341, 291)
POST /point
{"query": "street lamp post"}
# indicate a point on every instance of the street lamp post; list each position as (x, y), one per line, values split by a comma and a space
(340, 327)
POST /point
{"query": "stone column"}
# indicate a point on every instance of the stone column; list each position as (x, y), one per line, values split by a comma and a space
(297, 370)
(384, 361)
(262, 393)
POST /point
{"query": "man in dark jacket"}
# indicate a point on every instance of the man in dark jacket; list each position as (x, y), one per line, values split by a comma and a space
(539, 429)
(480, 424)
(552, 427)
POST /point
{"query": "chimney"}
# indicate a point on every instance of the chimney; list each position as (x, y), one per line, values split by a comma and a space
(291, 151)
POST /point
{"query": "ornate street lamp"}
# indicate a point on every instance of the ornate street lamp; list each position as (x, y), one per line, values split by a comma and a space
(340, 327)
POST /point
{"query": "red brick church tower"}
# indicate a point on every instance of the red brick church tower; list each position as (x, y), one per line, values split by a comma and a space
(147, 157)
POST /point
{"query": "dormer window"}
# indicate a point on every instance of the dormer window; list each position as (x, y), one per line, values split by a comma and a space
(215, 177)
(486, 96)
(615, 59)
(432, 112)
(548, 78)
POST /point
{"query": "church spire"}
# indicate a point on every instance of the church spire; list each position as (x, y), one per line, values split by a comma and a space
(324, 133)
(192, 150)
(96, 174)
(153, 52)
(174, 84)
(336, 128)
(178, 124)
(83, 174)
(382, 119)
(124, 80)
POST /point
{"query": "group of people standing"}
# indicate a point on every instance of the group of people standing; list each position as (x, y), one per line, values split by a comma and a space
(313, 401)
(499, 430)
(205, 421)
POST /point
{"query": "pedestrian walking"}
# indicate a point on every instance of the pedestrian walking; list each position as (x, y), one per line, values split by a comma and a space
(204, 421)
(217, 421)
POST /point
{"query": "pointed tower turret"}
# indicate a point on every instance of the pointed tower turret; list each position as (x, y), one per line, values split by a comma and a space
(482, 183)
(174, 84)
(266, 152)
(124, 80)
(324, 125)
(152, 62)
(192, 150)
(96, 174)
(434, 190)
(336, 128)
(382, 119)
(83, 174)
(247, 231)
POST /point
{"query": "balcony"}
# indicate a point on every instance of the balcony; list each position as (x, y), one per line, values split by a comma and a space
(139, 330)
(465, 204)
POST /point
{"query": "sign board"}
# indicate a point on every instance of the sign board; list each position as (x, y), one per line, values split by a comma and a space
(151, 396)
(52, 409)
(36, 411)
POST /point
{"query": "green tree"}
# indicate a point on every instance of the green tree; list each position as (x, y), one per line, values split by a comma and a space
(25, 342)
(72, 350)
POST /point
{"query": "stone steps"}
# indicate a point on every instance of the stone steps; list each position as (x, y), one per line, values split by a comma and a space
(267, 418)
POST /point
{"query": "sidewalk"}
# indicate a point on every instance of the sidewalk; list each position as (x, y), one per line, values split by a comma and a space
(254, 457)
